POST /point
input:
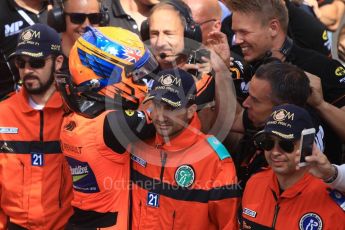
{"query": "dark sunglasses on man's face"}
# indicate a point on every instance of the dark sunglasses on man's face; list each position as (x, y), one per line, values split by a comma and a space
(79, 18)
(35, 63)
(268, 144)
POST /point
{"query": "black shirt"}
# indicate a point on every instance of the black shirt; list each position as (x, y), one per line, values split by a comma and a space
(331, 72)
(124, 127)
(332, 75)
(11, 24)
(307, 31)
(119, 18)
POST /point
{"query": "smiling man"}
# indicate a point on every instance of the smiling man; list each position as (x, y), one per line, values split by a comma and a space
(182, 179)
(260, 28)
(294, 199)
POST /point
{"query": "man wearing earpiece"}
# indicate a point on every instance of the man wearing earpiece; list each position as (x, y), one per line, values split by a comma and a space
(15, 15)
(175, 40)
(260, 28)
(72, 17)
(102, 94)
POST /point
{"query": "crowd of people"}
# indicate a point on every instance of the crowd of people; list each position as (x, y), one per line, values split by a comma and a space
(171, 114)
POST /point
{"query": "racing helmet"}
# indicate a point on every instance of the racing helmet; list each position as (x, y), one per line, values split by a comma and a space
(106, 67)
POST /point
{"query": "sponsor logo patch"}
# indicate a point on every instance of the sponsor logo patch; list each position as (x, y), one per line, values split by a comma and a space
(340, 71)
(13, 28)
(84, 179)
(325, 35)
(139, 160)
(248, 212)
(310, 221)
(71, 148)
(185, 176)
(129, 112)
(9, 130)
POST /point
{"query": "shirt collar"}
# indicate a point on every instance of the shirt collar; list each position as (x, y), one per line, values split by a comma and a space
(294, 190)
(183, 140)
(117, 9)
(54, 101)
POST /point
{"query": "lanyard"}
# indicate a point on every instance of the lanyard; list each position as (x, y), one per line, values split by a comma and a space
(25, 16)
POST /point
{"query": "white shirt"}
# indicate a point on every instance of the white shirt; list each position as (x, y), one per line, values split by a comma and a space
(339, 182)
(34, 105)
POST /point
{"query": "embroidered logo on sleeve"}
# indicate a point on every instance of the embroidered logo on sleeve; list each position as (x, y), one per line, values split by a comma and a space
(340, 71)
(139, 160)
(248, 212)
(9, 130)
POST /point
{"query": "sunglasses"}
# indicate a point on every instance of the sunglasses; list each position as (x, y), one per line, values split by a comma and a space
(79, 18)
(35, 63)
(268, 144)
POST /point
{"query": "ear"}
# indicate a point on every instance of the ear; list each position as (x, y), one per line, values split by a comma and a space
(58, 62)
(217, 25)
(191, 111)
(274, 27)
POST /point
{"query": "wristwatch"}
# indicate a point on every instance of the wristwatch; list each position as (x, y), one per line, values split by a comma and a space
(332, 178)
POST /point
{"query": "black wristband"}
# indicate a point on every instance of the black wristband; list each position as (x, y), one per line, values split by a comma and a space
(332, 178)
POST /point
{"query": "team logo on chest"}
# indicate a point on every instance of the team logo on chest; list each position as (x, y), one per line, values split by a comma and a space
(310, 221)
(184, 176)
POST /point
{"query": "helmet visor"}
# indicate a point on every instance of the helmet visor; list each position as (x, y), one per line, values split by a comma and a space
(144, 68)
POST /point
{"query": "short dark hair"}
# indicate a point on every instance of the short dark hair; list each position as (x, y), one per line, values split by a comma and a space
(289, 84)
(267, 9)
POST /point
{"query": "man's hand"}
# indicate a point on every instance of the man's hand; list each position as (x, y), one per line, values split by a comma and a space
(318, 164)
(218, 42)
(202, 68)
(316, 97)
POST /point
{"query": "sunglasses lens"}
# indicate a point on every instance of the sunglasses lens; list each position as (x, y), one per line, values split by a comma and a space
(267, 144)
(20, 63)
(287, 146)
(37, 63)
(77, 18)
(95, 18)
(34, 63)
